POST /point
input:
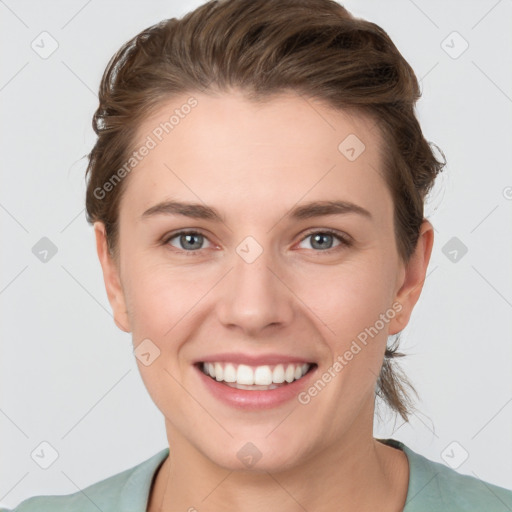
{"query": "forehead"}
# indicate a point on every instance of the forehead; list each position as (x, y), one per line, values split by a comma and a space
(230, 152)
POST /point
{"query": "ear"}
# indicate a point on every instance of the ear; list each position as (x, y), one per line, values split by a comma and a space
(112, 279)
(413, 278)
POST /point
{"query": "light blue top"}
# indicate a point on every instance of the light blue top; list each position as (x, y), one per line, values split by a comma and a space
(433, 487)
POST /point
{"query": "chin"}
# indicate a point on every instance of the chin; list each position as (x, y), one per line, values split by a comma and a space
(255, 454)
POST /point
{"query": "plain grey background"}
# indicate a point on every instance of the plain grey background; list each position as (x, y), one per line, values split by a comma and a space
(68, 375)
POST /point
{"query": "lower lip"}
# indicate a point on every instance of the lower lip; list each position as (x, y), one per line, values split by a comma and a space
(257, 399)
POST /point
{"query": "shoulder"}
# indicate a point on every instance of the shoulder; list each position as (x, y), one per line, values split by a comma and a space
(434, 486)
(127, 490)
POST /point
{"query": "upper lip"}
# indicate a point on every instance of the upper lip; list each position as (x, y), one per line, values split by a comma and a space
(252, 360)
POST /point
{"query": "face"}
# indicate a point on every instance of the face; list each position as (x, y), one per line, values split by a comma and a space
(272, 283)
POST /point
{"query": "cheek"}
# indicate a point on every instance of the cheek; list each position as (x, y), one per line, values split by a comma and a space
(159, 296)
(347, 298)
(162, 312)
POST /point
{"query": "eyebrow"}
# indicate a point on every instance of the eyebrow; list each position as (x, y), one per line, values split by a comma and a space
(304, 211)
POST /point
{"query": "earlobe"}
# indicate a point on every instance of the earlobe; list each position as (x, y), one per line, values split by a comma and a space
(111, 279)
(413, 278)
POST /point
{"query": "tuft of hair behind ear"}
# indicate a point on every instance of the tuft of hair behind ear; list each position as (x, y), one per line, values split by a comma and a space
(392, 383)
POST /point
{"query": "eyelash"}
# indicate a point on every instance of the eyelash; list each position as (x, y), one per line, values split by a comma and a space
(344, 240)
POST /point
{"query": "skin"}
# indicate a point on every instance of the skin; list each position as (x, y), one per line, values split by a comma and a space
(254, 163)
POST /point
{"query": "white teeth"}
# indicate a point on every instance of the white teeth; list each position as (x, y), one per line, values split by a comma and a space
(278, 374)
(229, 373)
(289, 374)
(263, 376)
(218, 371)
(244, 374)
(255, 376)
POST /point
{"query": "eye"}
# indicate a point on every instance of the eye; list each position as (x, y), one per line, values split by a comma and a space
(190, 241)
(322, 239)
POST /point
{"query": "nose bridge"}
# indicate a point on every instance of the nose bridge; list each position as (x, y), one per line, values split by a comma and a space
(253, 296)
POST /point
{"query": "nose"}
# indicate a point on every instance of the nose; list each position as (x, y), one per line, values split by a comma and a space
(255, 295)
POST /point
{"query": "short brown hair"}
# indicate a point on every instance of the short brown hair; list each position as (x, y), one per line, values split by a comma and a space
(263, 47)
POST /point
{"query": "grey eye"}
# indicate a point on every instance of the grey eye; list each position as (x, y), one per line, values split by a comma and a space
(188, 240)
(322, 240)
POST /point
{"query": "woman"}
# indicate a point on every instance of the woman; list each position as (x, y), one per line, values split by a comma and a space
(257, 192)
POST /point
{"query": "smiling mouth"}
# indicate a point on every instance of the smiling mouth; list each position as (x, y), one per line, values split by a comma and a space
(255, 378)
